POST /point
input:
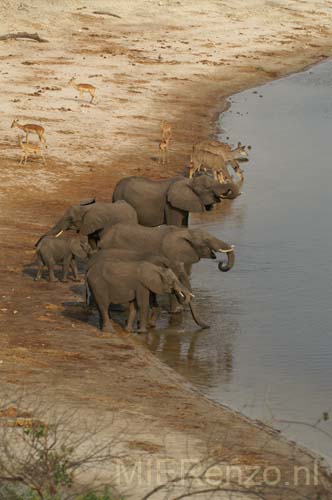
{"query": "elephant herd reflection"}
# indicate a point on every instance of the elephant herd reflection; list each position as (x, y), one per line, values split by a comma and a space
(139, 246)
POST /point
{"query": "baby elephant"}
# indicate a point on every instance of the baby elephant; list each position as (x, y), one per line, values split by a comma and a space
(51, 250)
(118, 282)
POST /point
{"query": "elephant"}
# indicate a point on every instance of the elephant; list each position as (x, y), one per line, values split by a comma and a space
(170, 201)
(120, 282)
(89, 217)
(124, 255)
(51, 251)
(177, 244)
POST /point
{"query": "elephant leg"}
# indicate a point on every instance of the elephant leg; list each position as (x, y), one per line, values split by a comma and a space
(106, 324)
(51, 276)
(40, 269)
(131, 316)
(175, 306)
(142, 298)
(153, 317)
(154, 310)
(65, 268)
(88, 295)
(153, 300)
(73, 266)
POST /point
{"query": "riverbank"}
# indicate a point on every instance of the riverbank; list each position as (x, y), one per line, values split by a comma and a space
(174, 61)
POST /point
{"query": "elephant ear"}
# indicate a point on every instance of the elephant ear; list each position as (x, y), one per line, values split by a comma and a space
(181, 195)
(151, 277)
(178, 246)
(94, 220)
(77, 249)
(88, 201)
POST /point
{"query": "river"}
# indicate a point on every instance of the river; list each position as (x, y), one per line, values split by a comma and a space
(268, 352)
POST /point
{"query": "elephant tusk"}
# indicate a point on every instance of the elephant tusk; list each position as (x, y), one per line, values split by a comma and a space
(58, 234)
(192, 295)
(227, 251)
(182, 294)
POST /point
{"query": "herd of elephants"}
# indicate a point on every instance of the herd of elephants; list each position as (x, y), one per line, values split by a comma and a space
(140, 245)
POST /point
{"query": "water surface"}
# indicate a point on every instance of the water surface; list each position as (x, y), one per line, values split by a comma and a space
(269, 350)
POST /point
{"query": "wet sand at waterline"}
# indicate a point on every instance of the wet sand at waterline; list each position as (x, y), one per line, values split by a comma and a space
(269, 350)
(208, 51)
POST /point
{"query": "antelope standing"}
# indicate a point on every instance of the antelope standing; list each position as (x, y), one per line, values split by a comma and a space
(166, 130)
(163, 150)
(28, 150)
(232, 155)
(83, 87)
(31, 128)
(216, 155)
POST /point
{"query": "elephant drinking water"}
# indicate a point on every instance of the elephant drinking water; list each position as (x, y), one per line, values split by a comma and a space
(119, 282)
(123, 255)
(170, 201)
(176, 244)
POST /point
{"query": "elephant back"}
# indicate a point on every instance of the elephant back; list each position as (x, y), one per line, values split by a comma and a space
(101, 215)
(133, 237)
(147, 196)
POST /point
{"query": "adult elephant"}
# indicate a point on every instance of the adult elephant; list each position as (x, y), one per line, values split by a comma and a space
(90, 217)
(177, 244)
(170, 201)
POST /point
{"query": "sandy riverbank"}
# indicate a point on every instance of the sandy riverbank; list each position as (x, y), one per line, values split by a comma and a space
(161, 60)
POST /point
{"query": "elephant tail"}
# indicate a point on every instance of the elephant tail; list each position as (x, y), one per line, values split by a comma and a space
(89, 297)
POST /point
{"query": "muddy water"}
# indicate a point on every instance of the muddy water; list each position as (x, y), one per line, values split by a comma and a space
(269, 350)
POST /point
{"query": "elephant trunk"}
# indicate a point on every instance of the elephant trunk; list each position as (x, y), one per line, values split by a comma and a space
(62, 225)
(196, 317)
(230, 260)
(234, 185)
(39, 240)
(185, 297)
